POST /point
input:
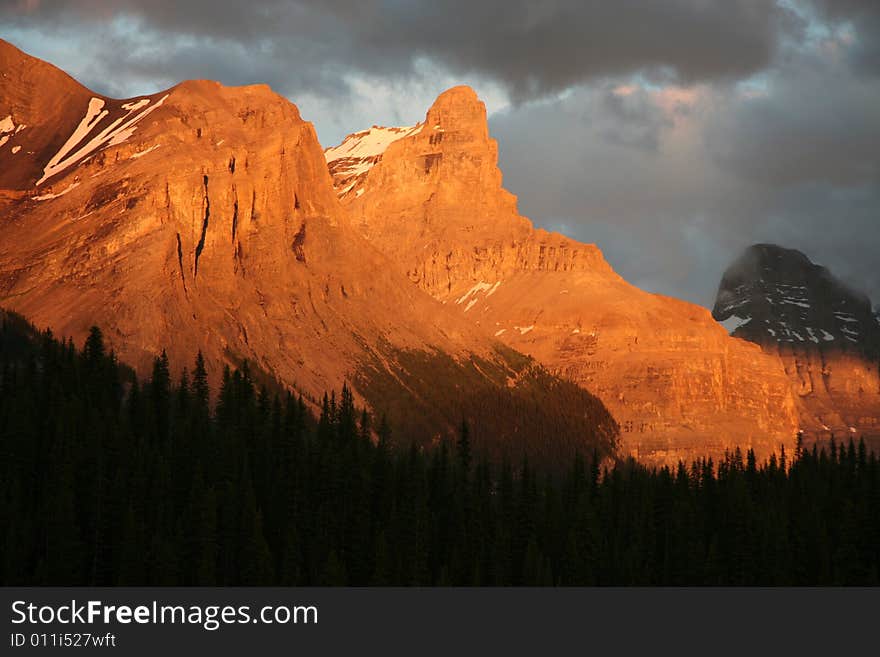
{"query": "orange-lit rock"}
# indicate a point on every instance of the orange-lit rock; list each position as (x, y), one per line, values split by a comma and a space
(679, 386)
(204, 218)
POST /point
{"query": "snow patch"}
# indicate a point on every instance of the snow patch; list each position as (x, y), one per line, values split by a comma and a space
(470, 305)
(734, 322)
(369, 143)
(121, 136)
(6, 125)
(49, 197)
(136, 105)
(15, 149)
(476, 289)
(499, 332)
(348, 189)
(135, 156)
(733, 306)
(524, 329)
(115, 133)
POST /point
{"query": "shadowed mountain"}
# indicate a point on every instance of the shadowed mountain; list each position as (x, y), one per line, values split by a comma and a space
(826, 334)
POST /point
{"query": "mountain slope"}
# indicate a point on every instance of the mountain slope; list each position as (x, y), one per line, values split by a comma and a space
(204, 218)
(826, 334)
(678, 385)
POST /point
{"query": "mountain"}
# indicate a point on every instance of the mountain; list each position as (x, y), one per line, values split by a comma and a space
(203, 218)
(433, 201)
(825, 332)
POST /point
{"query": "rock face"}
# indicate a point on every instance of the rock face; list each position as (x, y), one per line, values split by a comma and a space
(204, 218)
(433, 201)
(679, 386)
(826, 334)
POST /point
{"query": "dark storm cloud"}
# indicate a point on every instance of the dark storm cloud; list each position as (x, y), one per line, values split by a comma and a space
(819, 124)
(533, 48)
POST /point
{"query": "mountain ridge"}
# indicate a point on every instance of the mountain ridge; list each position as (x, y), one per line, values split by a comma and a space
(212, 225)
(825, 332)
(434, 202)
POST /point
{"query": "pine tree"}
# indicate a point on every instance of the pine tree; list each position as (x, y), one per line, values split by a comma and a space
(201, 391)
(464, 448)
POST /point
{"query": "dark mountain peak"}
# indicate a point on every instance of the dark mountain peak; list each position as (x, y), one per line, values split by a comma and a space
(774, 295)
(774, 262)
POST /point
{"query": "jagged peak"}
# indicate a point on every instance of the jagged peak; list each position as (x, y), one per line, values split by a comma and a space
(775, 295)
(459, 94)
(459, 109)
(769, 250)
(213, 86)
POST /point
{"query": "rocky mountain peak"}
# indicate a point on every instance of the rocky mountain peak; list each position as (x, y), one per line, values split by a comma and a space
(434, 202)
(204, 218)
(442, 160)
(459, 109)
(825, 332)
(431, 196)
(772, 295)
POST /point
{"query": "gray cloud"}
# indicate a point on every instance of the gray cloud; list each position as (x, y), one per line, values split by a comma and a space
(533, 48)
(819, 124)
(790, 159)
(630, 119)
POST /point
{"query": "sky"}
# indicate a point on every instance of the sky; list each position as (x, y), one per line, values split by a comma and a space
(672, 134)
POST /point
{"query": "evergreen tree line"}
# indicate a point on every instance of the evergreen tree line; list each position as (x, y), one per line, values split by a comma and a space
(106, 480)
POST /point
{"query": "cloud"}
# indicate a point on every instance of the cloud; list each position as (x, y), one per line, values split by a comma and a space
(532, 48)
(790, 157)
(820, 124)
(863, 18)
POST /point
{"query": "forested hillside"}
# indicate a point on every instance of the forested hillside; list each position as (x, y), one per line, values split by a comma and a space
(108, 480)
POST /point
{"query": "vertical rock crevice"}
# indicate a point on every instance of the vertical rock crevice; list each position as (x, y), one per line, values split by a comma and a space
(234, 213)
(180, 262)
(201, 244)
(298, 241)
